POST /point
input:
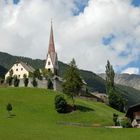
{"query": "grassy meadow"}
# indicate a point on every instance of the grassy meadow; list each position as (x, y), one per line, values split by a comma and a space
(34, 118)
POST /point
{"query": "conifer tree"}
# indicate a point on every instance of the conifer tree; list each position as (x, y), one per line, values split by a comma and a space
(72, 81)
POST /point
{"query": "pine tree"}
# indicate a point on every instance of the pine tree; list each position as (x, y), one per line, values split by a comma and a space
(72, 81)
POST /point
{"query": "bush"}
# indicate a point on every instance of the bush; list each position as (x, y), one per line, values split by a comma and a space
(125, 122)
(50, 84)
(34, 83)
(16, 81)
(60, 104)
(115, 119)
(9, 80)
(26, 81)
(1, 81)
(9, 108)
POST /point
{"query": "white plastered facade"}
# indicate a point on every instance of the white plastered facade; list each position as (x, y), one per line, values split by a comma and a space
(18, 70)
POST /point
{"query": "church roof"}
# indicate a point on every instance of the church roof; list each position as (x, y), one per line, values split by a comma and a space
(51, 41)
(51, 49)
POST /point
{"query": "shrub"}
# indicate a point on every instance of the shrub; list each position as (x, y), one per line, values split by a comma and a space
(16, 81)
(9, 80)
(125, 122)
(60, 104)
(50, 84)
(34, 83)
(115, 119)
(26, 81)
(1, 81)
(9, 108)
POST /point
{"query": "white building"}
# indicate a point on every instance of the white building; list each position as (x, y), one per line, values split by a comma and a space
(19, 69)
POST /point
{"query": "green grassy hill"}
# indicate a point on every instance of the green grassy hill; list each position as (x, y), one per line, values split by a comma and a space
(34, 116)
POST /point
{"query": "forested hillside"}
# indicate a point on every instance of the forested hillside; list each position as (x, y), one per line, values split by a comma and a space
(94, 82)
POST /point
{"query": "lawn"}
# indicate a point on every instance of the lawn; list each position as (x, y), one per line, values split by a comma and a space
(34, 118)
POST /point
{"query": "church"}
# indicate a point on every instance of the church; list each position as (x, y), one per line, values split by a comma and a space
(20, 68)
(52, 60)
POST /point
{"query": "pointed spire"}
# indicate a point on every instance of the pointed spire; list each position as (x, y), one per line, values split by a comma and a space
(51, 41)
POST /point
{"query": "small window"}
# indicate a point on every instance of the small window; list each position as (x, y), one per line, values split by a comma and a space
(16, 69)
(16, 64)
(21, 69)
(19, 76)
(49, 63)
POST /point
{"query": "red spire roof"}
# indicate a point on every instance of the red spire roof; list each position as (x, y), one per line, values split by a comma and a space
(51, 41)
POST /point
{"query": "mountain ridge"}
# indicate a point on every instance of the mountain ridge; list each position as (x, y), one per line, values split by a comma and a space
(131, 80)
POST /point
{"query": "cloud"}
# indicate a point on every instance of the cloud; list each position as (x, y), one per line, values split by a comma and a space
(25, 28)
(131, 70)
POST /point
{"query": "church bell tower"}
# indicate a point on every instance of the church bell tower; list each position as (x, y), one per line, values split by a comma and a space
(52, 60)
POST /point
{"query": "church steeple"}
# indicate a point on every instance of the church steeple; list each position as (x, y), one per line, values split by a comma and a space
(51, 61)
(51, 41)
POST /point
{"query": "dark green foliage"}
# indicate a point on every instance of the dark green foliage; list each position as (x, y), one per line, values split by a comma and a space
(37, 74)
(1, 81)
(34, 82)
(131, 95)
(9, 108)
(16, 81)
(9, 80)
(115, 119)
(47, 73)
(5, 57)
(115, 99)
(50, 84)
(94, 82)
(26, 80)
(60, 104)
(2, 71)
(125, 123)
(72, 81)
(110, 74)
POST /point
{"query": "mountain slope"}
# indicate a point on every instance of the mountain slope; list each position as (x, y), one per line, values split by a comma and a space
(94, 82)
(2, 71)
(130, 80)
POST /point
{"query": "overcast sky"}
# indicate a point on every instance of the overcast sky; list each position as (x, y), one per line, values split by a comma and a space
(91, 31)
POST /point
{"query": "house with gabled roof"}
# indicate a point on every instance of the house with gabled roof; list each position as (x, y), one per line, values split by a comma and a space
(20, 69)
